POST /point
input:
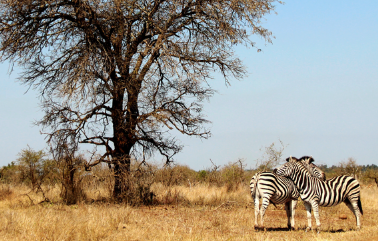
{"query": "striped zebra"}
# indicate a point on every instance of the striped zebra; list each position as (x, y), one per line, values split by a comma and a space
(315, 192)
(277, 190)
(307, 161)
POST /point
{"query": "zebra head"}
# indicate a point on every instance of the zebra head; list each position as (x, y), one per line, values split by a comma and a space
(289, 168)
(313, 169)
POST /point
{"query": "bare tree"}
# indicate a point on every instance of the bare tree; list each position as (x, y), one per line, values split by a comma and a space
(121, 73)
(350, 168)
(70, 165)
(271, 157)
(372, 173)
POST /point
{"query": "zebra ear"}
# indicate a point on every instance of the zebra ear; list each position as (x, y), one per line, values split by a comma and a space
(291, 159)
(310, 160)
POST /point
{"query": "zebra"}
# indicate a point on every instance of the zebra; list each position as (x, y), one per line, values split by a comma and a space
(277, 190)
(315, 192)
(314, 170)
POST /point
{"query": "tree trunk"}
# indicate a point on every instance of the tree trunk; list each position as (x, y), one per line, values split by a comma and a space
(121, 173)
(72, 191)
(124, 126)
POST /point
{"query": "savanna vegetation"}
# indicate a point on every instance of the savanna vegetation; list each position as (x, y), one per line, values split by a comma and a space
(169, 203)
(120, 76)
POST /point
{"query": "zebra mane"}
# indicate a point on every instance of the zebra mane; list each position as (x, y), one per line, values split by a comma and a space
(291, 158)
(308, 159)
(307, 163)
(302, 166)
(295, 160)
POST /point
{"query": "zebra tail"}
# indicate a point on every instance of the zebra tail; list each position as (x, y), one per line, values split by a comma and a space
(253, 190)
(360, 205)
(254, 182)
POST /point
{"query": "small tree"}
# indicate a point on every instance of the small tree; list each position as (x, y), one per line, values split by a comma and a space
(233, 174)
(372, 173)
(69, 164)
(350, 168)
(10, 173)
(271, 157)
(31, 167)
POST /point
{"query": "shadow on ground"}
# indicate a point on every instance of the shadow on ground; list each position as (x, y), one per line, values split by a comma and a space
(259, 229)
(271, 229)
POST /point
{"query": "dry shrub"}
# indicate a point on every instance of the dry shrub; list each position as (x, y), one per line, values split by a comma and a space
(349, 168)
(233, 175)
(175, 175)
(173, 196)
(200, 195)
(137, 184)
(74, 193)
(71, 176)
(5, 192)
(370, 177)
(99, 183)
(181, 185)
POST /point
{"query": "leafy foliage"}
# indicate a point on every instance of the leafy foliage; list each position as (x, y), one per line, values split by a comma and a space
(34, 168)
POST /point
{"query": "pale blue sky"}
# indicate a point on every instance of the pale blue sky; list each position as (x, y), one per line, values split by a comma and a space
(315, 89)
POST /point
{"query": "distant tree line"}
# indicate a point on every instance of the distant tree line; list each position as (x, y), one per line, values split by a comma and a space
(351, 168)
(334, 168)
(39, 171)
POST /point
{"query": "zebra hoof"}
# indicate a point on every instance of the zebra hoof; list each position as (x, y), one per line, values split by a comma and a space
(291, 228)
(308, 229)
(260, 228)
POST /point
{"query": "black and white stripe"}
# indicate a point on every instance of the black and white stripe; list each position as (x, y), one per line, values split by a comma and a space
(315, 192)
(276, 189)
(307, 161)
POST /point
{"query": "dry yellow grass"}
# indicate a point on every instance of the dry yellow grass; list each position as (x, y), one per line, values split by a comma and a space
(200, 213)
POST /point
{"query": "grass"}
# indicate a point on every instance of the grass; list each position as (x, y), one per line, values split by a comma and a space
(199, 212)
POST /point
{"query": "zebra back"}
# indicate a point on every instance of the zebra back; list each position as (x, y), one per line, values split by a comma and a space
(279, 188)
(327, 193)
(270, 180)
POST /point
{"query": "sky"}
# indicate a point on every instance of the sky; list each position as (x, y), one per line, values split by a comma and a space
(314, 89)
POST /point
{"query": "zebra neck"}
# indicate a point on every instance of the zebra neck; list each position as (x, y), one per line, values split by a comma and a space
(301, 180)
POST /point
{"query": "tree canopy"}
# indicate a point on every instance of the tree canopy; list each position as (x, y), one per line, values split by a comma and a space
(121, 74)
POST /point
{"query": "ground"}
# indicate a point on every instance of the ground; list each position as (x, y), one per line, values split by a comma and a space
(23, 218)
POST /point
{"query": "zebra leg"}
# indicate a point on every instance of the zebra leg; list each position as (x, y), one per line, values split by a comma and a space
(293, 206)
(288, 214)
(264, 206)
(355, 209)
(257, 204)
(315, 206)
(308, 209)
